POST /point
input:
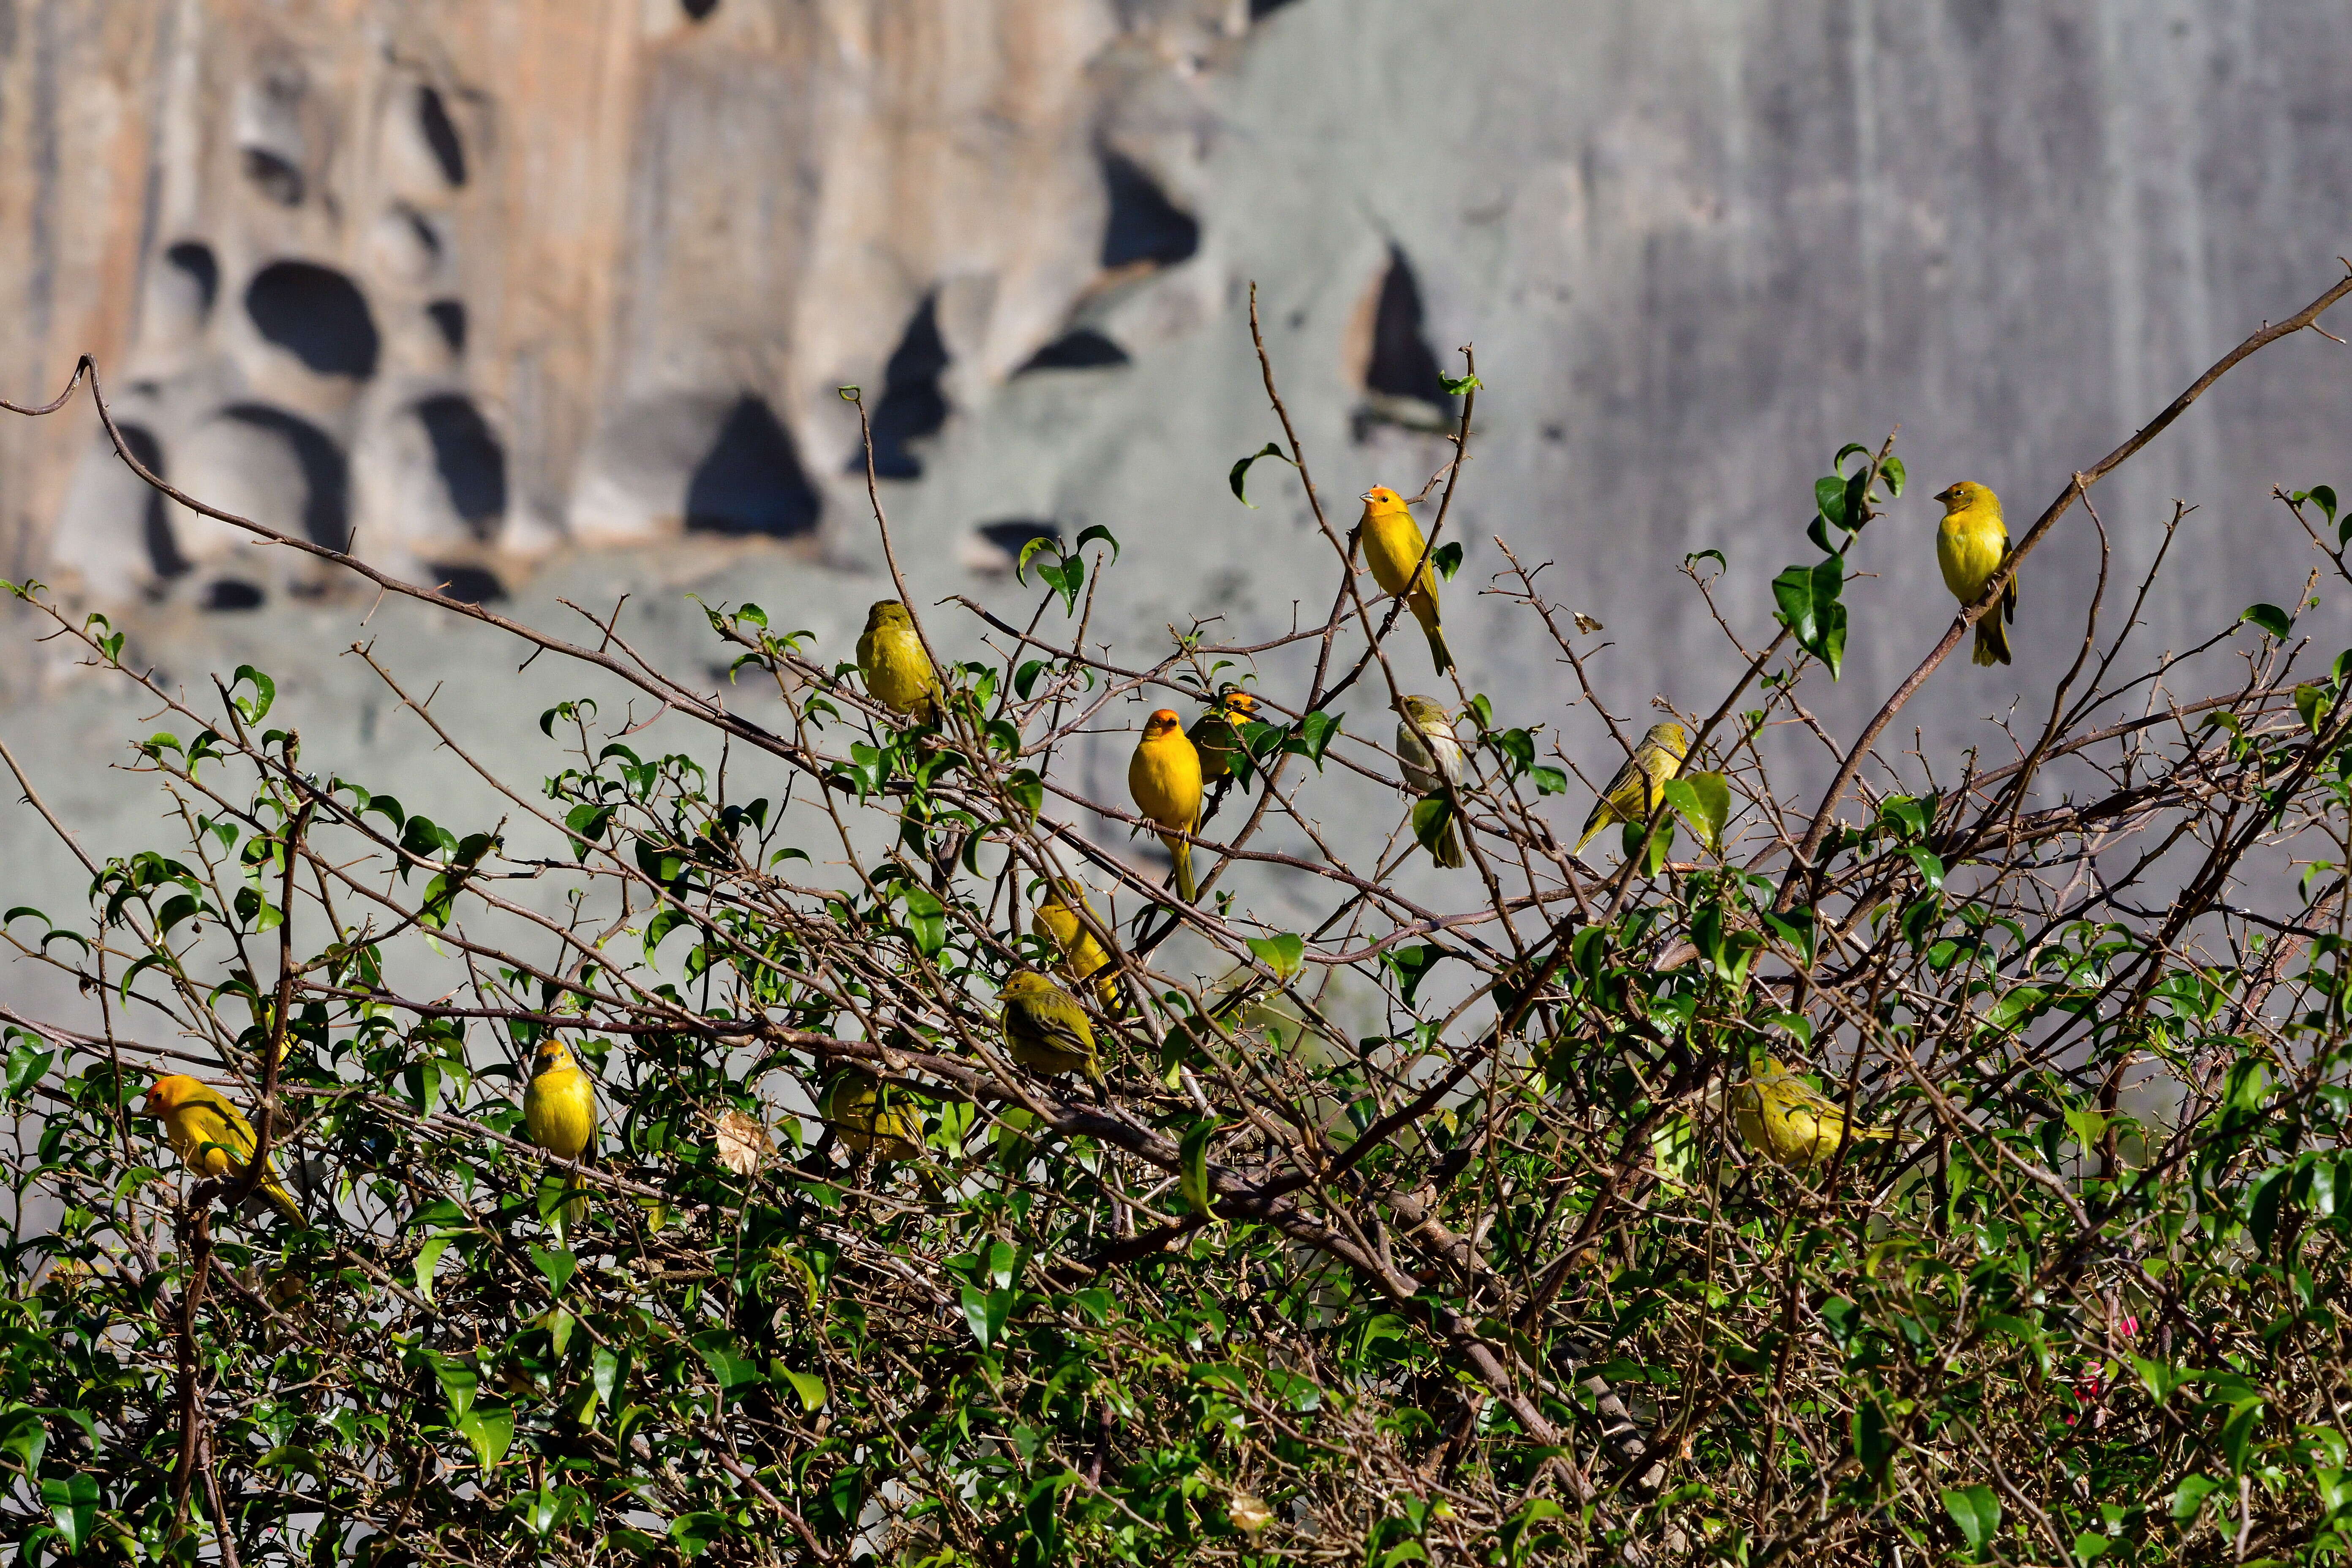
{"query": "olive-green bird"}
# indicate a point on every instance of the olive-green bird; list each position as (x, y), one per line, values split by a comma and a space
(1786, 1119)
(1056, 921)
(1216, 733)
(898, 673)
(1971, 543)
(872, 1119)
(1641, 784)
(1429, 754)
(1045, 1028)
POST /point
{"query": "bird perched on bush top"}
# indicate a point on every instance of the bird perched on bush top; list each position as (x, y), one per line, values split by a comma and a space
(1164, 777)
(1393, 548)
(1045, 1028)
(559, 1111)
(210, 1136)
(1216, 733)
(1971, 543)
(1083, 958)
(897, 672)
(1429, 755)
(1783, 1117)
(1638, 787)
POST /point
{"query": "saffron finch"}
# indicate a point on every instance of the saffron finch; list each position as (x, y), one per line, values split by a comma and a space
(1393, 548)
(1164, 777)
(1971, 543)
(872, 1119)
(1056, 921)
(1786, 1119)
(1217, 733)
(1641, 784)
(211, 1137)
(559, 1111)
(1430, 756)
(898, 671)
(1045, 1028)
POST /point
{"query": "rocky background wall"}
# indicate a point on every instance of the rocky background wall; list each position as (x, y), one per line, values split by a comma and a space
(546, 301)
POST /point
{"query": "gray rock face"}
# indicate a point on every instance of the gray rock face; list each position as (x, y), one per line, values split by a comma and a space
(551, 297)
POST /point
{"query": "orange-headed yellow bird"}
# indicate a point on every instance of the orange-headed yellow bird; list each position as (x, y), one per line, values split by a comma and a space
(1393, 548)
(210, 1136)
(1164, 777)
(1971, 542)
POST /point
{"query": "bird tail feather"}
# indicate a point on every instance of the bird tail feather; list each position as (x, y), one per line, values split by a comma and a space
(1447, 850)
(1181, 852)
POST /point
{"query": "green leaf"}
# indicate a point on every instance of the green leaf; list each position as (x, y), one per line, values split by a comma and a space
(1020, 566)
(1931, 868)
(1893, 473)
(1240, 471)
(725, 1360)
(2312, 703)
(1829, 497)
(694, 1533)
(1703, 801)
(1447, 559)
(1192, 1172)
(428, 1257)
(556, 1266)
(1411, 965)
(1316, 732)
(1874, 1444)
(73, 1503)
(2162, 1378)
(265, 692)
(812, 1390)
(1698, 555)
(1091, 532)
(1431, 814)
(2190, 1496)
(26, 1067)
(490, 1432)
(926, 919)
(1455, 385)
(1283, 953)
(1027, 792)
(2276, 622)
(2090, 1544)
(1978, 1513)
(2238, 1433)
(1549, 780)
(1807, 597)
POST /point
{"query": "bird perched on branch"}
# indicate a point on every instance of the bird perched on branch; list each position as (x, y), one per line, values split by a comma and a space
(1045, 1028)
(1216, 733)
(898, 673)
(1971, 543)
(1638, 787)
(559, 1111)
(1430, 756)
(1164, 777)
(1083, 957)
(1394, 549)
(871, 1118)
(211, 1137)
(1786, 1119)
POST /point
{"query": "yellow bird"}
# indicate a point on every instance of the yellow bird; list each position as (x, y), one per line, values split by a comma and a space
(559, 1111)
(897, 672)
(210, 1136)
(1083, 958)
(1216, 733)
(1971, 542)
(870, 1119)
(1786, 1119)
(1392, 548)
(1045, 1028)
(1641, 784)
(1430, 755)
(1164, 777)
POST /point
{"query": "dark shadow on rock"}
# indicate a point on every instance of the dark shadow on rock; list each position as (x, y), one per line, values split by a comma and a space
(1402, 363)
(1144, 225)
(469, 585)
(154, 526)
(751, 481)
(998, 544)
(326, 500)
(449, 320)
(698, 10)
(912, 404)
(316, 314)
(194, 257)
(472, 462)
(441, 134)
(1082, 349)
(274, 176)
(232, 594)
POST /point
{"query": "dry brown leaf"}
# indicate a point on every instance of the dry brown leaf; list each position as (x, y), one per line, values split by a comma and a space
(740, 1140)
(1589, 624)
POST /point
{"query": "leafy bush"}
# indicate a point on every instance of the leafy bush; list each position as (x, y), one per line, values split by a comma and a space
(1415, 1234)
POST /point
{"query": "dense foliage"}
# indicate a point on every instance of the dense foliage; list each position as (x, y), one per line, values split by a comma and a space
(1419, 1234)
